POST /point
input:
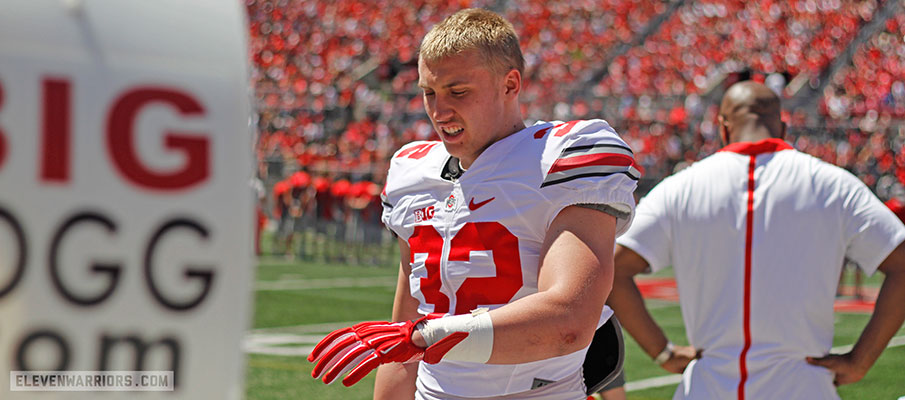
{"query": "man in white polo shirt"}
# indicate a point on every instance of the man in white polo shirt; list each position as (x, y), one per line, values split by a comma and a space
(757, 234)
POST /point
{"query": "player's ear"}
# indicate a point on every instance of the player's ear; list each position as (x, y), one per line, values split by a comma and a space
(724, 130)
(512, 82)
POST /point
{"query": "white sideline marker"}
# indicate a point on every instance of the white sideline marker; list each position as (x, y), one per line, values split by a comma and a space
(328, 283)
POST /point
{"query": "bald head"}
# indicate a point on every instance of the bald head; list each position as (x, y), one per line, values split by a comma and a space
(750, 112)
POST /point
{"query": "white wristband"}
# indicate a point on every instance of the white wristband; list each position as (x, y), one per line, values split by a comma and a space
(665, 354)
(475, 348)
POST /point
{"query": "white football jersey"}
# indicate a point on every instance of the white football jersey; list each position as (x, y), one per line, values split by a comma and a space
(476, 240)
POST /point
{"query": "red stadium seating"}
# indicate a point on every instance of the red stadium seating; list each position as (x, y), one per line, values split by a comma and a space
(335, 80)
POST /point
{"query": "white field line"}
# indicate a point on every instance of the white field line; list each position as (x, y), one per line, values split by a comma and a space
(654, 382)
(261, 343)
(302, 329)
(270, 339)
(331, 283)
(302, 351)
(673, 379)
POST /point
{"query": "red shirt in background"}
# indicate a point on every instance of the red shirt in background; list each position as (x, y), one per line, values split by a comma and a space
(897, 208)
(323, 198)
(279, 189)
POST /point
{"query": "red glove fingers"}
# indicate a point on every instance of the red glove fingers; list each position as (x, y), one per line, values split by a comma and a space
(362, 370)
(364, 346)
(326, 343)
(432, 355)
(333, 352)
(337, 356)
(347, 362)
(343, 349)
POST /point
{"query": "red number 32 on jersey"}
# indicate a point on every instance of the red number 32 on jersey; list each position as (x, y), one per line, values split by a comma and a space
(474, 291)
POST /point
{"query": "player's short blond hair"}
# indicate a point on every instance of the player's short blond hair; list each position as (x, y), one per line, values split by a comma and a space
(484, 31)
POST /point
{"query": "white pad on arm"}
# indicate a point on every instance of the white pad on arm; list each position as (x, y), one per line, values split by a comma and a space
(475, 348)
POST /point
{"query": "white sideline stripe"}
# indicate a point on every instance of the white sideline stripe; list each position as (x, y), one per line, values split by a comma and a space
(302, 351)
(312, 328)
(894, 342)
(674, 379)
(260, 343)
(653, 382)
(265, 339)
(331, 283)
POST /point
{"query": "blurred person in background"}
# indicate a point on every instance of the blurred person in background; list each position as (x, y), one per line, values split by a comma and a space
(302, 215)
(283, 212)
(340, 219)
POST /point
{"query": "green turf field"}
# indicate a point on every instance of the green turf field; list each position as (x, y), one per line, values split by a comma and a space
(311, 299)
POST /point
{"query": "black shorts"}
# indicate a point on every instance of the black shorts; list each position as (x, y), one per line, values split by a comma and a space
(602, 366)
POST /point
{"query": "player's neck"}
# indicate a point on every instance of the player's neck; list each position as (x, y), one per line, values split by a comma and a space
(515, 126)
(751, 136)
(465, 163)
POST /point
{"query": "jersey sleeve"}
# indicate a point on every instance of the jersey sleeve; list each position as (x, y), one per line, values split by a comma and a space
(403, 173)
(872, 230)
(387, 209)
(586, 162)
(650, 234)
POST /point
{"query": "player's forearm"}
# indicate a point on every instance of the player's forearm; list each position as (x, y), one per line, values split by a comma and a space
(544, 325)
(887, 318)
(628, 304)
(575, 279)
(396, 381)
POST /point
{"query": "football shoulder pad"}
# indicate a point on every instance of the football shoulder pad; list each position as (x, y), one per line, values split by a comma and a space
(585, 149)
(587, 163)
(409, 166)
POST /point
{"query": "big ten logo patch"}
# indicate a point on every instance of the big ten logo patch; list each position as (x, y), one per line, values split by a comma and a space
(424, 214)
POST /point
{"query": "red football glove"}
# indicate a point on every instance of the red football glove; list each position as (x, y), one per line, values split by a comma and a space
(364, 346)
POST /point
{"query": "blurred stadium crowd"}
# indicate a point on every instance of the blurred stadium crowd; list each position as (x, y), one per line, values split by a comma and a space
(336, 94)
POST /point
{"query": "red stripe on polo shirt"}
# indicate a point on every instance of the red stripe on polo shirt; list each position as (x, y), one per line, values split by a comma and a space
(746, 312)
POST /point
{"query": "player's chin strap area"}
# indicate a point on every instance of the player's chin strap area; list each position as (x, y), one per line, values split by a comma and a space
(452, 170)
(476, 347)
